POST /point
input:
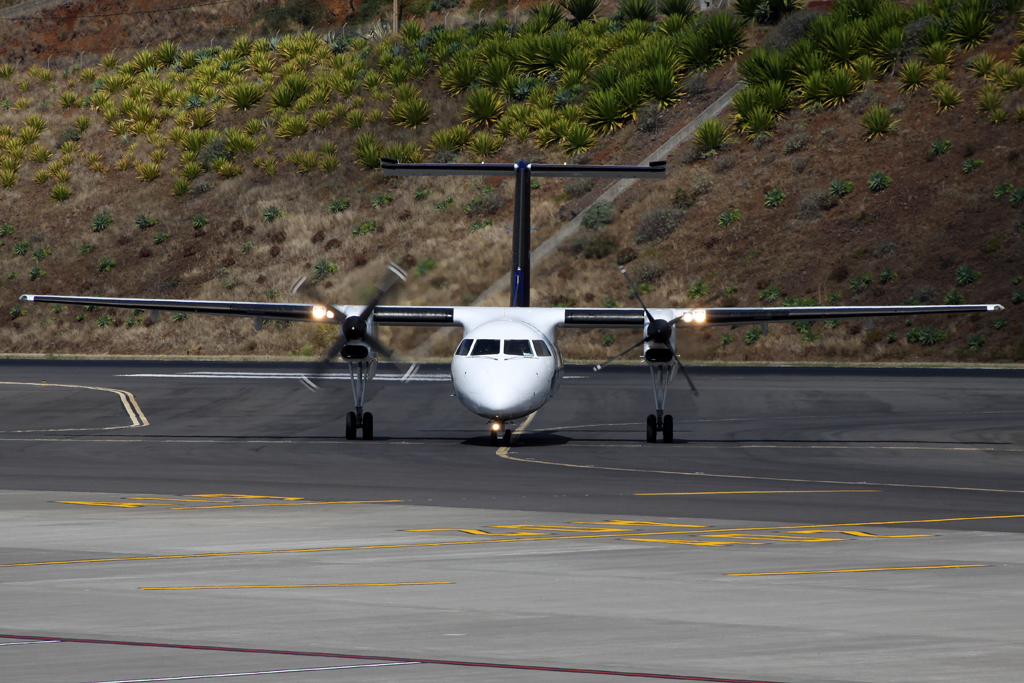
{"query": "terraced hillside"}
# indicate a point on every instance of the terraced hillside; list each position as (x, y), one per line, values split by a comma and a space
(227, 172)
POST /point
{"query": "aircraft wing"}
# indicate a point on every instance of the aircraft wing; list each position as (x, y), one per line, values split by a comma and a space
(384, 315)
(634, 317)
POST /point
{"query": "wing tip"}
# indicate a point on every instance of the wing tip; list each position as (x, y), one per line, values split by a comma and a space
(28, 297)
(996, 307)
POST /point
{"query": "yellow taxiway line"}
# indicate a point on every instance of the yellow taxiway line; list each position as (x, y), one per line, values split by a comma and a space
(520, 539)
(866, 569)
(131, 407)
(296, 585)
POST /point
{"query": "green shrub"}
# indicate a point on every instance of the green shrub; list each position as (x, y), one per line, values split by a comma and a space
(954, 298)
(965, 275)
(368, 151)
(21, 248)
(840, 188)
(381, 199)
(598, 215)
(41, 253)
(160, 237)
(727, 339)
(659, 223)
(338, 205)
(773, 198)
(271, 214)
(697, 290)
(35, 273)
(925, 336)
(142, 222)
(887, 275)
(970, 165)
(198, 221)
(878, 181)
(770, 294)
(939, 147)
(323, 268)
(365, 228)
(101, 222)
(600, 246)
(752, 335)
(1017, 197)
(106, 264)
(975, 342)
(727, 217)
(105, 320)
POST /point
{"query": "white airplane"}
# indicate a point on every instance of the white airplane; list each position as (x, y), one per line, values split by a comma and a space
(508, 364)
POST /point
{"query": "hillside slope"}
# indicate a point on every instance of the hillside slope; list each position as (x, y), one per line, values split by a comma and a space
(911, 238)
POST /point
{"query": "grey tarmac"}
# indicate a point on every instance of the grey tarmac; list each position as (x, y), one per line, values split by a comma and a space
(208, 521)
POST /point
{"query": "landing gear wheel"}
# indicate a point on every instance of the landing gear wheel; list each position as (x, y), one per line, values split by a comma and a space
(350, 426)
(494, 438)
(506, 440)
(652, 429)
(367, 426)
(666, 429)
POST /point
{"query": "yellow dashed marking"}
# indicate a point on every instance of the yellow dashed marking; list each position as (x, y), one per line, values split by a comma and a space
(866, 569)
(295, 585)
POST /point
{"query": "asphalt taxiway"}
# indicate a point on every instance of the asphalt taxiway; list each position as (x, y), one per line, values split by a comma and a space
(181, 521)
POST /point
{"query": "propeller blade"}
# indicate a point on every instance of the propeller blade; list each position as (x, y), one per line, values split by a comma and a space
(615, 358)
(407, 367)
(636, 293)
(391, 276)
(682, 367)
(305, 288)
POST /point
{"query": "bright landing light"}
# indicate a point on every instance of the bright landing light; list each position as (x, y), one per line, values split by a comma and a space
(496, 426)
(696, 316)
(321, 312)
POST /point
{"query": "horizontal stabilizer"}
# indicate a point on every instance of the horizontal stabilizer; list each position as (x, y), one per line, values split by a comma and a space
(656, 169)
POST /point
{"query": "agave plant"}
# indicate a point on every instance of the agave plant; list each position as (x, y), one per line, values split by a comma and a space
(644, 10)
(812, 89)
(989, 98)
(866, 68)
(763, 65)
(460, 73)
(711, 136)
(581, 10)
(840, 85)
(946, 96)
(938, 52)
(972, 25)
(913, 75)
(662, 86)
(485, 144)
(484, 107)
(411, 113)
(877, 121)
(368, 151)
(758, 121)
(603, 111)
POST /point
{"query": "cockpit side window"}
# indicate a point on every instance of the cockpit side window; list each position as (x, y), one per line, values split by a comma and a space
(463, 349)
(486, 347)
(518, 347)
(541, 348)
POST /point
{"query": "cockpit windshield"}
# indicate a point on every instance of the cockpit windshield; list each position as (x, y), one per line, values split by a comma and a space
(463, 349)
(518, 347)
(486, 347)
(541, 347)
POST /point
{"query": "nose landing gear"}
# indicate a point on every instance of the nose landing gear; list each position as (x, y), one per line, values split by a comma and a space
(663, 425)
(359, 420)
(506, 435)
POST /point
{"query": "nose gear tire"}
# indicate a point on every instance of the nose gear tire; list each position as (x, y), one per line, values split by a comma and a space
(666, 429)
(652, 429)
(367, 426)
(350, 426)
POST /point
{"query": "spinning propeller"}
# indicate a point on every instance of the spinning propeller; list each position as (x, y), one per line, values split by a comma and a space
(354, 328)
(658, 331)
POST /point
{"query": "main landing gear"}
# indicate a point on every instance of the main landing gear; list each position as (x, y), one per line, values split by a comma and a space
(496, 431)
(360, 372)
(662, 375)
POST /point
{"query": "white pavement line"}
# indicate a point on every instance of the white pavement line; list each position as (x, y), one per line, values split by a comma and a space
(258, 673)
(30, 642)
(285, 375)
(131, 406)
